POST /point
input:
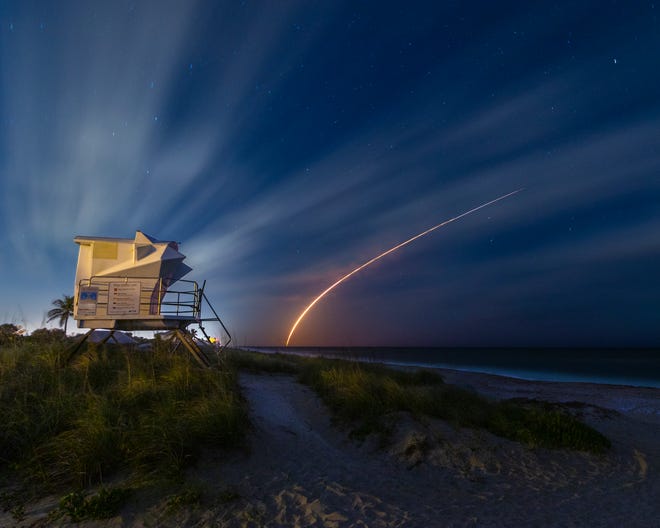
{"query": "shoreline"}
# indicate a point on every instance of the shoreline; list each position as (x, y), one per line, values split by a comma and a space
(534, 375)
(641, 402)
(526, 373)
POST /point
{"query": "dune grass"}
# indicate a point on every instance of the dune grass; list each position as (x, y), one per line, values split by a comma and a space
(257, 362)
(364, 395)
(120, 412)
(115, 410)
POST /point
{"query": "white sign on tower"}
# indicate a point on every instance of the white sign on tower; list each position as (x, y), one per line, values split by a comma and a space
(124, 298)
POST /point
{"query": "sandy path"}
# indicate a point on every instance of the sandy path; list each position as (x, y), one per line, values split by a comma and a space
(302, 471)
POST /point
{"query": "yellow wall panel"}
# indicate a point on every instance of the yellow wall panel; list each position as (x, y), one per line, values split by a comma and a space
(105, 250)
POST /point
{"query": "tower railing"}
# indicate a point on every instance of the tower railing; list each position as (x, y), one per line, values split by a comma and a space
(181, 304)
(182, 300)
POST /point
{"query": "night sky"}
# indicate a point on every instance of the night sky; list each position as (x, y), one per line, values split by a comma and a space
(284, 143)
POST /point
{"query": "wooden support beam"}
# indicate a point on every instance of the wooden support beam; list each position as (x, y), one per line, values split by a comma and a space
(196, 352)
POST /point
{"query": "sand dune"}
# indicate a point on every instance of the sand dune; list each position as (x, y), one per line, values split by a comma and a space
(300, 470)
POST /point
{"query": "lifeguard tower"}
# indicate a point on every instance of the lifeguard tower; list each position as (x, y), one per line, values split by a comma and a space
(126, 284)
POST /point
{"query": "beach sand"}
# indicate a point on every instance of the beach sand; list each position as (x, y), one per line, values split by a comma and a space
(300, 470)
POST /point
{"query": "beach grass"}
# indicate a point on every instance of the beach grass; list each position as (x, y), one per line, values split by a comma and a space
(79, 506)
(364, 395)
(114, 411)
(260, 363)
(120, 414)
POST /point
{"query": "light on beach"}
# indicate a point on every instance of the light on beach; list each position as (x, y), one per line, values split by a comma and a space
(387, 252)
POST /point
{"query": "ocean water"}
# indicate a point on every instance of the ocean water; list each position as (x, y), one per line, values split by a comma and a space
(635, 367)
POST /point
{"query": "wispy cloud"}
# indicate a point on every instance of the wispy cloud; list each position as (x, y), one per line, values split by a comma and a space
(192, 120)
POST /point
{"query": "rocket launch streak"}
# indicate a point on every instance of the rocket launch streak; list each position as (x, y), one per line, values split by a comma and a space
(391, 250)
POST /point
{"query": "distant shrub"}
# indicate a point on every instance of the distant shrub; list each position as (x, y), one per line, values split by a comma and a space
(8, 334)
(47, 335)
(256, 362)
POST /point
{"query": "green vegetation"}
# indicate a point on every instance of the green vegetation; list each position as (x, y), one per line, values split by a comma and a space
(115, 411)
(365, 395)
(103, 505)
(8, 334)
(190, 495)
(255, 362)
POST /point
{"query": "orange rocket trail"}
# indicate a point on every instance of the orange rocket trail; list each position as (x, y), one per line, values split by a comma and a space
(391, 250)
